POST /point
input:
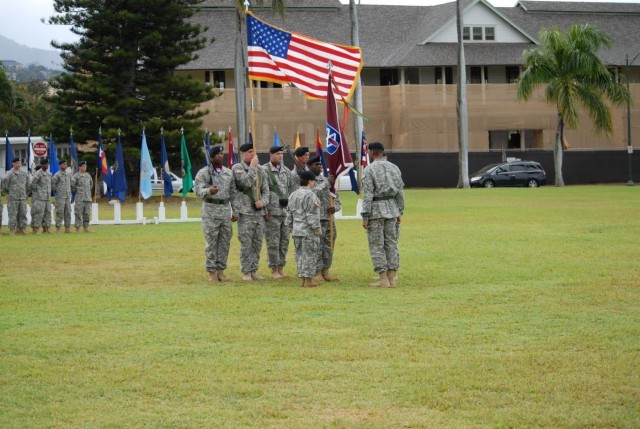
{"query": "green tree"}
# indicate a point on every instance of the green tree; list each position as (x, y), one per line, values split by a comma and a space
(22, 106)
(567, 65)
(120, 74)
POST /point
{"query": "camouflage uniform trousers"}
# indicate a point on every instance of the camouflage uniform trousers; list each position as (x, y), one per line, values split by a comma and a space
(383, 244)
(250, 233)
(325, 256)
(276, 234)
(83, 213)
(17, 211)
(40, 214)
(217, 236)
(63, 212)
(306, 253)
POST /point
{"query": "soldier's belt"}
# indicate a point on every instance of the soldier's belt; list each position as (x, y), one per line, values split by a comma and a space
(382, 198)
(219, 201)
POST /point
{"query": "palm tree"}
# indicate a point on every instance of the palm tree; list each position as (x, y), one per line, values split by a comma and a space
(568, 65)
(240, 65)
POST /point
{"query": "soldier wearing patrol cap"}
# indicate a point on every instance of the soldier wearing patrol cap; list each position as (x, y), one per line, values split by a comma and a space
(41, 198)
(382, 208)
(249, 203)
(81, 184)
(302, 158)
(61, 185)
(16, 185)
(276, 232)
(214, 184)
(329, 204)
(303, 218)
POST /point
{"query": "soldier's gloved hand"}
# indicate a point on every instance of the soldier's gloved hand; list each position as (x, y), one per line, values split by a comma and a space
(398, 220)
(332, 180)
(259, 204)
(318, 232)
(213, 190)
(254, 161)
(234, 218)
(365, 224)
(266, 216)
(332, 210)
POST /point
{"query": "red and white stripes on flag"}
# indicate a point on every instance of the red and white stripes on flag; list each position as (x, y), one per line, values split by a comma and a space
(283, 57)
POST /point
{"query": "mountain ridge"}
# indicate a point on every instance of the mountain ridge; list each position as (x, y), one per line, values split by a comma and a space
(12, 50)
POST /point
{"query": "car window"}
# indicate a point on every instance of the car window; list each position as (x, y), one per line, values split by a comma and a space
(533, 167)
(502, 169)
(517, 167)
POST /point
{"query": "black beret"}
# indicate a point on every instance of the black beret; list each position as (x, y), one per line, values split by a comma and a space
(276, 149)
(307, 175)
(301, 150)
(245, 147)
(314, 160)
(81, 163)
(376, 146)
(44, 161)
(215, 150)
(62, 161)
(15, 160)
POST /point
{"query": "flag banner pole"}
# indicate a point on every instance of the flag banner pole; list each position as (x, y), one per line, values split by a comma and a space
(95, 192)
(252, 125)
(331, 216)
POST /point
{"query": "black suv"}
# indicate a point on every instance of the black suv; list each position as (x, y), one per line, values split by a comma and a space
(516, 173)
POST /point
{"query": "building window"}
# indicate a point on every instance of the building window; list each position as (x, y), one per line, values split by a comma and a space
(477, 33)
(388, 77)
(465, 33)
(411, 75)
(448, 75)
(513, 72)
(489, 33)
(475, 74)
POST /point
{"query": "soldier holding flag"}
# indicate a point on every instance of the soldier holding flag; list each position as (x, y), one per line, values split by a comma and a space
(41, 198)
(61, 184)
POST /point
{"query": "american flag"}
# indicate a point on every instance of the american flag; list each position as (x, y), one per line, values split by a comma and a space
(364, 154)
(279, 56)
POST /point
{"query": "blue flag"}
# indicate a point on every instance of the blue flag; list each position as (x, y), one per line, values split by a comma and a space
(146, 168)
(166, 178)
(54, 166)
(207, 146)
(103, 166)
(119, 176)
(276, 139)
(8, 154)
(74, 154)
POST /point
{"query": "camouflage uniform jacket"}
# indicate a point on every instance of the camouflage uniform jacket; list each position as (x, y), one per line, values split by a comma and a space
(303, 213)
(61, 184)
(219, 204)
(81, 184)
(295, 173)
(41, 185)
(245, 180)
(281, 185)
(323, 191)
(383, 191)
(15, 185)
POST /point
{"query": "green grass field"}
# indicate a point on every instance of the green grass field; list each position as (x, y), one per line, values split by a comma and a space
(516, 308)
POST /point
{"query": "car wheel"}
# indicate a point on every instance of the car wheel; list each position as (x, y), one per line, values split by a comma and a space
(489, 184)
(532, 183)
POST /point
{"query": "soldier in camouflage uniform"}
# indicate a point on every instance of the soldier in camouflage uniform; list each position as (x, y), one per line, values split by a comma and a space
(249, 203)
(81, 184)
(41, 198)
(382, 209)
(302, 158)
(276, 232)
(214, 184)
(61, 185)
(15, 185)
(329, 204)
(303, 217)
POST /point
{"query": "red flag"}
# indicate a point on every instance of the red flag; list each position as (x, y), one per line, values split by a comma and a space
(276, 55)
(340, 160)
(364, 154)
(231, 155)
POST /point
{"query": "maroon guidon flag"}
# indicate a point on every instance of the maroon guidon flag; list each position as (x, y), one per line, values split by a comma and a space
(339, 157)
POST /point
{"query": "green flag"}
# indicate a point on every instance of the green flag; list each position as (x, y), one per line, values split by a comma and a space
(187, 179)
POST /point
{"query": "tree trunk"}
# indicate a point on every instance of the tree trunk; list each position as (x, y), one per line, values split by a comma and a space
(241, 85)
(461, 107)
(557, 152)
(358, 122)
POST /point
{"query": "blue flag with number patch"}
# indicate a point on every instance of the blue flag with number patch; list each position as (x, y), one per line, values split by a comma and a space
(166, 177)
(119, 176)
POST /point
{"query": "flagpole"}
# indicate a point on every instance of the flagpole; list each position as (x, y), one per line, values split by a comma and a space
(162, 169)
(252, 126)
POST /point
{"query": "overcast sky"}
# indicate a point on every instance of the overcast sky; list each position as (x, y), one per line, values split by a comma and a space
(21, 19)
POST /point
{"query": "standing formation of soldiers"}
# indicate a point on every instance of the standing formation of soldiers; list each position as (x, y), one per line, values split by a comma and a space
(17, 185)
(274, 202)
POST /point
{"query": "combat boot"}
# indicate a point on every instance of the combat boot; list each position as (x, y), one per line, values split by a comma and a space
(22, 231)
(67, 229)
(36, 230)
(213, 276)
(383, 281)
(309, 282)
(77, 229)
(46, 230)
(86, 229)
(222, 277)
(12, 231)
(328, 277)
(281, 271)
(318, 277)
(276, 274)
(58, 229)
(247, 277)
(256, 276)
(393, 278)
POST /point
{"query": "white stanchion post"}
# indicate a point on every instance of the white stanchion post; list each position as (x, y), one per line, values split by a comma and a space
(94, 213)
(117, 212)
(162, 212)
(359, 208)
(183, 211)
(28, 214)
(4, 215)
(73, 214)
(53, 211)
(139, 211)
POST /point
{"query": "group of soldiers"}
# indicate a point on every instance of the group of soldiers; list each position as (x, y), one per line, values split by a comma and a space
(17, 184)
(270, 202)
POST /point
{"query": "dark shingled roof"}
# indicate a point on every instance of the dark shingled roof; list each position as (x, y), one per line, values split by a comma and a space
(392, 36)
